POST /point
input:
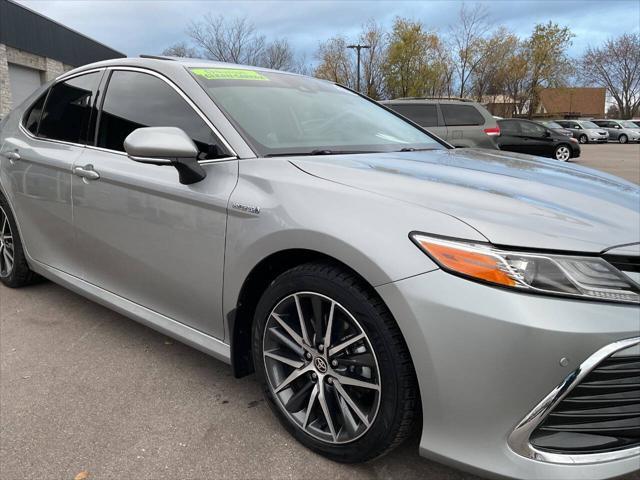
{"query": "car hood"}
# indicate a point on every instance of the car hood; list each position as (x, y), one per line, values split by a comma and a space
(512, 199)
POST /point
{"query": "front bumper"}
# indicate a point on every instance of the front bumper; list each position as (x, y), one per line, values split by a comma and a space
(485, 357)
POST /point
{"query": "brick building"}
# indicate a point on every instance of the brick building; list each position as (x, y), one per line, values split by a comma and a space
(35, 49)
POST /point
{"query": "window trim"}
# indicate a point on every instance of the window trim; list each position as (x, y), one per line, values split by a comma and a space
(438, 114)
(194, 107)
(66, 77)
(62, 78)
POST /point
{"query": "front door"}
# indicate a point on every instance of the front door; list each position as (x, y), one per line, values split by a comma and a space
(142, 234)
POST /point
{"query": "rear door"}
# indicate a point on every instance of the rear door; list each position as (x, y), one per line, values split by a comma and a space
(42, 153)
(143, 235)
(464, 124)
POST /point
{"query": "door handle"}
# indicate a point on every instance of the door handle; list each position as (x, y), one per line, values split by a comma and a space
(13, 156)
(87, 172)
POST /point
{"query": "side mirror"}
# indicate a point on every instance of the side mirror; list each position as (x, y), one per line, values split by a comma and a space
(578, 127)
(547, 133)
(166, 146)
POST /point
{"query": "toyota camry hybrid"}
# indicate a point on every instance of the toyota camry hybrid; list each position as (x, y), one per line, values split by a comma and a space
(374, 278)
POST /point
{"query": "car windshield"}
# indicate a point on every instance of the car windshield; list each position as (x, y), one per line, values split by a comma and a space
(589, 125)
(628, 124)
(284, 114)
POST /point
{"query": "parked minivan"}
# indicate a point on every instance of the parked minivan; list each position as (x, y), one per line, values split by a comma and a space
(462, 123)
(621, 130)
(585, 131)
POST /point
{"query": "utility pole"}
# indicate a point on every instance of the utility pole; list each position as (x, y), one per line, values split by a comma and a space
(357, 48)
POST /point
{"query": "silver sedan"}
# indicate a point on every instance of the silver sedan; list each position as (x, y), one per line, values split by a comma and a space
(374, 278)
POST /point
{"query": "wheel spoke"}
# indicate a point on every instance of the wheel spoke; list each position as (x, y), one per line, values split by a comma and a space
(284, 340)
(345, 344)
(353, 382)
(8, 256)
(295, 374)
(297, 400)
(360, 359)
(347, 398)
(4, 223)
(292, 333)
(316, 305)
(303, 326)
(327, 413)
(348, 421)
(312, 400)
(327, 334)
(289, 361)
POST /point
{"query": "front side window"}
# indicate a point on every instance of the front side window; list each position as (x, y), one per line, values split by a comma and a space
(68, 109)
(284, 114)
(461, 115)
(423, 115)
(135, 100)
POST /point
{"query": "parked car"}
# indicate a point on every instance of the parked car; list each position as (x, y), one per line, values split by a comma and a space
(621, 130)
(372, 276)
(462, 123)
(555, 127)
(525, 136)
(585, 131)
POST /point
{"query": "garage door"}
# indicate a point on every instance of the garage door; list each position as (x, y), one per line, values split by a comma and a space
(23, 82)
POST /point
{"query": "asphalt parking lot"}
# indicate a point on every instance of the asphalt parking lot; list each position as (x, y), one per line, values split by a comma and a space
(83, 389)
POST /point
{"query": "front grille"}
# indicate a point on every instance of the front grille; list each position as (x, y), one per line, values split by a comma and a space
(600, 414)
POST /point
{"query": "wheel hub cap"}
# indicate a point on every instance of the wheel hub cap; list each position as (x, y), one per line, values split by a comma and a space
(331, 392)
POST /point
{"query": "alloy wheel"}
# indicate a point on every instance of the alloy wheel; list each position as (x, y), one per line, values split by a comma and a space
(623, 139)
(321, 367)
(583, 139)
(7, 251)
(562, 153)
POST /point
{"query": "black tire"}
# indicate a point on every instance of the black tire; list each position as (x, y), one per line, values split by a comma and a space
(399, 404)
(623, 138)
(583, 139)
(20, 274)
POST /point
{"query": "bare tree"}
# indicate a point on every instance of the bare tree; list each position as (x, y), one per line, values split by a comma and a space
(466, 39)
(279, 55)
(228, 40)
(490, 74)
(616, 65)
(180, 49)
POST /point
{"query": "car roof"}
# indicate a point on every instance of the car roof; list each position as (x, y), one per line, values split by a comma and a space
(428, 100)
(164, 64)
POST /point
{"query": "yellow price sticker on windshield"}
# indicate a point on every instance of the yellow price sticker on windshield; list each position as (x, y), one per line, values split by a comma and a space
(228, 74)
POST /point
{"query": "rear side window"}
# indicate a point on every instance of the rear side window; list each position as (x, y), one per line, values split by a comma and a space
(136, 100)
(459, 115)
(68, 109)
(423, 115)
(509, 127)
(32, 118)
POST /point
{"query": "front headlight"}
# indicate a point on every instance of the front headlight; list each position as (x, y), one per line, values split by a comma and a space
(567, 275)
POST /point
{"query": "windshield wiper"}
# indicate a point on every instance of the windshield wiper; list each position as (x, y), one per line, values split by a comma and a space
(411, 149)
(320, 151)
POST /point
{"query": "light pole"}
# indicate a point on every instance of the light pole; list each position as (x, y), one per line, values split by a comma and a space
(358, 47)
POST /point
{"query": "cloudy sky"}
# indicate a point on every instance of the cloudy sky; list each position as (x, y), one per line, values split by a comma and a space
(149, 26)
